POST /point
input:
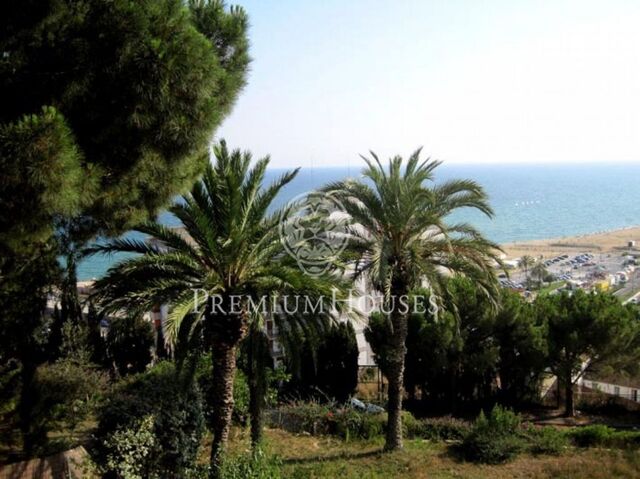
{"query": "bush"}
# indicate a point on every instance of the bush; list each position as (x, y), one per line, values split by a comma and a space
(254, 466)
(129, 450)
(178, 421)
(316, 418)
(546, 440)
(495, 439)
(350, 424)
(411, 427)
(67, 392)
(241, 398)
(588, 436)
(599, 435)
(443, 429)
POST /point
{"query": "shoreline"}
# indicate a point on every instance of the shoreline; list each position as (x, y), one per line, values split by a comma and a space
(610, 241)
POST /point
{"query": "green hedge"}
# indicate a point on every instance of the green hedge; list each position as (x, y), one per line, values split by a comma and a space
(599, 435)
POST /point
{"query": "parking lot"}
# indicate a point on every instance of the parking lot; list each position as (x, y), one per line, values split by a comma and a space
(584, 270)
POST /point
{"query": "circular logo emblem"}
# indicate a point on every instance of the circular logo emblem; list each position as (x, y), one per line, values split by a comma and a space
(313, 231)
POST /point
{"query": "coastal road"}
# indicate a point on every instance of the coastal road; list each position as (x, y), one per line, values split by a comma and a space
(630, 290)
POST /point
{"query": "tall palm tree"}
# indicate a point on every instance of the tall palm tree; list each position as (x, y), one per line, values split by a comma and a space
(526, 262)
(540, 271)
(230, 249)
(401, 238)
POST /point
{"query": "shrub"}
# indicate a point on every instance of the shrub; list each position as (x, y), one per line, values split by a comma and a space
(495, 439)
(595, 435)
(241, 396)
(411, 427)
(603, 436)
(306, 416)
(443, 429)
(546, 440)
(129, 450)
(350, 424)
(316, 418)
(67, 392)
(254, 466)
(178, 421)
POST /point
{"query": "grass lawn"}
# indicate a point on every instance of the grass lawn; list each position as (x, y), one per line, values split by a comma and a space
(552, 287)
(305, 456)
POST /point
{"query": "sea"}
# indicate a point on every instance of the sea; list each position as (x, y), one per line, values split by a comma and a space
(530, 201)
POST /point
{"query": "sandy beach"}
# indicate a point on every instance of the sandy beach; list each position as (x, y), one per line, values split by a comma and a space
(601, 242)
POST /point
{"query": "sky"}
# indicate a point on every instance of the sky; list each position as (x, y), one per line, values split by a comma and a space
(471, 81)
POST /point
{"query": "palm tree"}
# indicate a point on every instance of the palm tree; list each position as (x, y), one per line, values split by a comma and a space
(401, 238)
(525, 262)
(230, 249)
(540, 271)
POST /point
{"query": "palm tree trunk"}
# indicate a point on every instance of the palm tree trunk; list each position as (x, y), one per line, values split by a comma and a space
(223, 356)
(396, 370)
(394, 407)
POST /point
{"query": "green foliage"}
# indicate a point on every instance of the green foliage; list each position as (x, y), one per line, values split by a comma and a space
(240, 398)
(138, 88)
(377, 333)
(129, 343)
(64, 394)
(445, 428)
(23, 324)
(598, 435)
(306, 416)
(321, 418)
(395, 211)
(454, 359)
(546, 440)
(349, 424)
(257, 465)
(178, 420)
(594, 326)
(328, 365)
(41, 174)
(494, 439)
(411, 427)
(107, 112)
(130, 449)
(241, 395)
(9, 387)
(588, 436)
(234, 250)
(75, 341)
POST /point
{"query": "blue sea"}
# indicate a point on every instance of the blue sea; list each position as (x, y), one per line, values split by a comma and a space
(530, 201)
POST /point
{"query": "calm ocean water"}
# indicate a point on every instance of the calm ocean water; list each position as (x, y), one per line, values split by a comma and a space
(530, 201)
